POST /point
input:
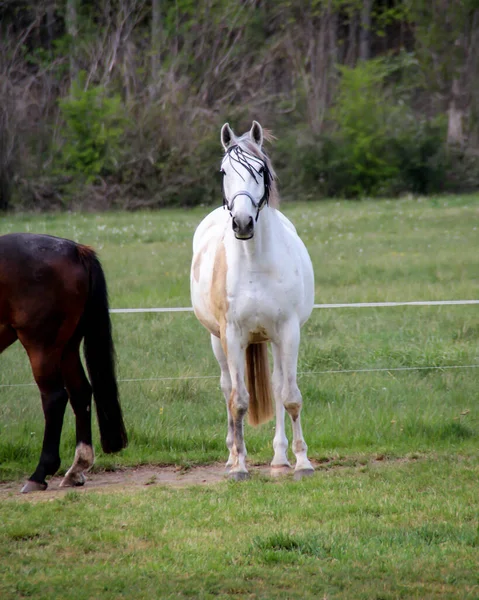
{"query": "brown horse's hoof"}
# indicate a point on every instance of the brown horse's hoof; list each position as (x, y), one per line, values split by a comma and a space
(303, 473)
(33, 486)
(238, 476)
(73, 480)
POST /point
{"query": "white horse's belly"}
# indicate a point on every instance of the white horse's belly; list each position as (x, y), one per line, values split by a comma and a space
(200, 284)
(206, 241)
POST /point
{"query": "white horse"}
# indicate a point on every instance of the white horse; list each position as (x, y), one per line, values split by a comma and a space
(252, 282)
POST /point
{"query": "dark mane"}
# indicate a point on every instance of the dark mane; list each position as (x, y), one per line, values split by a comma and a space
(246, 144)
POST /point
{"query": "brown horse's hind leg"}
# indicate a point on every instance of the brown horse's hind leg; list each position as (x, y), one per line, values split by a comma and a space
(80, 393)
(8, 335)
(46, 370)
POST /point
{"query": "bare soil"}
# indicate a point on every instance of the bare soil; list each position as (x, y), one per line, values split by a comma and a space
(132, 477)
(128, 478)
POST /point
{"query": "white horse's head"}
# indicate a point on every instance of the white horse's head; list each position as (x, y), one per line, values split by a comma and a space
(247, 178)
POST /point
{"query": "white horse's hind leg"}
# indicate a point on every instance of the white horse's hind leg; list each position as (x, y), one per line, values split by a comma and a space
(291, 396)
(238, 401)
(280, 441)
(225, 382)
(84, 459)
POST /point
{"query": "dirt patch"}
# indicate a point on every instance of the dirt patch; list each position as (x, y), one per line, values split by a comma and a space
(174, 476)
(133, 477)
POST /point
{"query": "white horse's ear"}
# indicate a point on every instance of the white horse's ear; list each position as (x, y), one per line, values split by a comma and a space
(256, 133)
(227, 136)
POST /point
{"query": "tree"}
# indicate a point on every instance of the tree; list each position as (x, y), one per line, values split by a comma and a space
(71, 19)
(365, 36)
(156, 35)
(446, 41)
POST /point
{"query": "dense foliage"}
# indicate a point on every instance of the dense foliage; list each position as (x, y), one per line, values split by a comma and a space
(119, 102)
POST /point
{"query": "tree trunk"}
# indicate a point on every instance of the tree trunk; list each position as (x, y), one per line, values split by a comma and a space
(50, 11)
(365, 35)
(455, 133)
(7, 136)
(351, 55)
(155, 39)
(71, 20)
(333, 51)
(472, 76)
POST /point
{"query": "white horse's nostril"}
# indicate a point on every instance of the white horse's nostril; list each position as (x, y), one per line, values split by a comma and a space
(243, 227)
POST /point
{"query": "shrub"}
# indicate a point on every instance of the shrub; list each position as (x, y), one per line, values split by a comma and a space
(421, 157)
(376, 145)
(94, 124)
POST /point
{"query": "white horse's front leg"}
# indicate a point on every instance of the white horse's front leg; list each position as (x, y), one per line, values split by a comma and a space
(238, 400)
(280, 460)
(225, 382)
(291, 396)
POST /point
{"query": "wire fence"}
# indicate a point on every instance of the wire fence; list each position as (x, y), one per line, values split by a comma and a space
(303, 373)
(300, 374)
(340, 305)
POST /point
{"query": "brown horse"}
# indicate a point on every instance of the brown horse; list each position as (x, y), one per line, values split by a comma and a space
(53, 294)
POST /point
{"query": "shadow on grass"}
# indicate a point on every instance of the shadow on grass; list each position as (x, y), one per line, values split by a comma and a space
(287, 548)
(454, 431)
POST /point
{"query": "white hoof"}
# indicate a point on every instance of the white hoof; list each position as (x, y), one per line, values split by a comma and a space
(73, 480)
(238, 475)
(300, 473)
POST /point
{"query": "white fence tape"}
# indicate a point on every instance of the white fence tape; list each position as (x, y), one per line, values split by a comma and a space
(342, 305)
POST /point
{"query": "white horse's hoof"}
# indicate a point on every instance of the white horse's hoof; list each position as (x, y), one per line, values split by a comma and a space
(33, 486)
(280, 463)
(300, 473)
(238, 476)
(73, 480)
(279, 470)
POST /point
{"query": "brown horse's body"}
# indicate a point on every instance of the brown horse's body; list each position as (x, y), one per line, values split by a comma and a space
(52, 295)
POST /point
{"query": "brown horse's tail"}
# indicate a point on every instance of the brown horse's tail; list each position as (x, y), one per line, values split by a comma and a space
(259, 384)
(100, 357)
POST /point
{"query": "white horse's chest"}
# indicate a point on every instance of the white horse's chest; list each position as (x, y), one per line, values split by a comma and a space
(265, 292)
(254, 286)
(268, 289)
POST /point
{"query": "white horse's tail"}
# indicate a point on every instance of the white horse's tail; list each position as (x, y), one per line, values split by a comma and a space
(259, 384)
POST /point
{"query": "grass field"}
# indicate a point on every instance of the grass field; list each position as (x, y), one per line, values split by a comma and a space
(403, 526)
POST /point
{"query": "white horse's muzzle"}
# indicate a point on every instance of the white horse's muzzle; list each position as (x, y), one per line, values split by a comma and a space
(242, 222)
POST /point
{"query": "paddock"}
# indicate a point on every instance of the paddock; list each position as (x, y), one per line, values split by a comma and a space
(390, 415)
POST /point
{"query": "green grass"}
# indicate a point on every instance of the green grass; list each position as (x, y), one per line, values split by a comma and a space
(400, 530)
(404, 526)
(415, 249)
